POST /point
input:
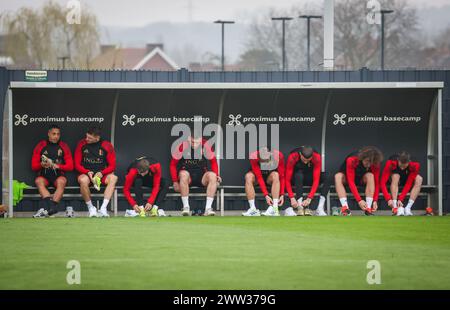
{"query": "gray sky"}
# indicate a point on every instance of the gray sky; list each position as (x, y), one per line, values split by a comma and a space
(141, 12)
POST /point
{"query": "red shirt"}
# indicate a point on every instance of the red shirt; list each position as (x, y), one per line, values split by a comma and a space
(155, 170)
(95, 157)
(292, 160)
(255, 163)
(391, 165)
(352, 163)
(177, 158)
(64, 160)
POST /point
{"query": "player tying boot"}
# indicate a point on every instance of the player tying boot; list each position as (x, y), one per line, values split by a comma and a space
(400, 170)
(267, 168)
(304, 166)
(360, 168)
(145, 172)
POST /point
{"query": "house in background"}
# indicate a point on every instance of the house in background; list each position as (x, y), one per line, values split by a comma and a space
(151, 57)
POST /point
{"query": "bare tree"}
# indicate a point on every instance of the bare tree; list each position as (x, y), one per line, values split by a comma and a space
(256, 59)
(266, 35)
(39, 37)
(357, 42)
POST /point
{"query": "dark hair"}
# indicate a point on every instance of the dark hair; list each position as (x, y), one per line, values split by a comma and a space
(372, 153)
(404, 157)
(143, 165)
(307, 151)
(53, 126)
(94, 130)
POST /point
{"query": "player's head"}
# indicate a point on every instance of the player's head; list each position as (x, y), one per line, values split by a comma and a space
(54, 133)
(306, 153)
(195, 138)
(93, 134)
(142, 166)
(404, 158)
(370, 155)
(264, 154)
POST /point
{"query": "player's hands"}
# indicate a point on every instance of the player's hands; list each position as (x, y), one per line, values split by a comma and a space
(269, 200)
(136, 208)
(362, 204)
(45, 164)
(148, 206)
(90, 174)
(219, 179)
(399, 204)
(176, 186)
(294, 202)
(391, 203)
(55, 166)
(306, 202)
(98, 174)
(374, 206)
(281, 201)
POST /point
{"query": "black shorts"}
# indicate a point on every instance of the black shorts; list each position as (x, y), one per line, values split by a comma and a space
(196, 176)
(50, 178)
(402, 181)
(307, 176)
(358, 176)
(264, 173)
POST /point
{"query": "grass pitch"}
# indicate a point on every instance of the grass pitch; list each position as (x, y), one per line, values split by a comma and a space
(226, 252)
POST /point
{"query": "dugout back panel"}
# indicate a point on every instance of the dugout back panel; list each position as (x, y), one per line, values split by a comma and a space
(138, 120)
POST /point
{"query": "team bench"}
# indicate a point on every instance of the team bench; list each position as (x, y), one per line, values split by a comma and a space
(223, 192)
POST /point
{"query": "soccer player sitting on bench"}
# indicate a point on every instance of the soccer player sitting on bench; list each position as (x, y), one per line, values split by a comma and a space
(145, 171)
(402, 171)
(189, 167)
(360, 168)
(304, 167)
(95, 160)
(266, 166)
(51, 159)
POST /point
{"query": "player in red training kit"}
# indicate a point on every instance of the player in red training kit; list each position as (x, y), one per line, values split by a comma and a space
(189, 167)
(51, 160)
(360, 168)
(95, 160)
(304, 167)
(266, 167)
(400, 170)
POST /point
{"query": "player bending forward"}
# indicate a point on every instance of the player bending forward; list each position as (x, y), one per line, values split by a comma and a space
(145, 172)
(267, 167)
(304, 167)
(360, 168)
(400, 170)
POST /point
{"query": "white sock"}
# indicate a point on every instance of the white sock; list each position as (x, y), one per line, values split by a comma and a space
(395, 203)
(275, 204)
(104, 204)
(300, 200)
(321, 203)
(185, 201)
(343, 202)
(410, 203)
(251, 202)
(369, 201)
(89, 204)
(209, 201)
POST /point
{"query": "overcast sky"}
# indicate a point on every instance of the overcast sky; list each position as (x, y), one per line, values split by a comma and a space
(141, 12)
